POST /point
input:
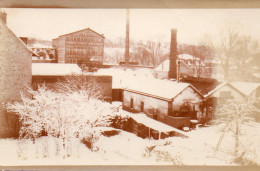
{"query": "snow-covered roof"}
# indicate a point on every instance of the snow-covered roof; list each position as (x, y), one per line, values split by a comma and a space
(153, 124)
(215, 89)
(162, 89)
(55, 69)
(245, 88)
(164, 66)
(187, 57)
(39, 45)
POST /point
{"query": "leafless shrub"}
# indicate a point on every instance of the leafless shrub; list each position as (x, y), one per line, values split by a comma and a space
(89, 85)
(234, 115)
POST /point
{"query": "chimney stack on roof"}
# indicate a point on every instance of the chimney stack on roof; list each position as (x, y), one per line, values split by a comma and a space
(173, 55)
(3, 16)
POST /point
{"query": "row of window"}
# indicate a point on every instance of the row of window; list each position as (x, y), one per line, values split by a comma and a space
(89, 51)
(132, 105)
(84, 39)
(184, 111)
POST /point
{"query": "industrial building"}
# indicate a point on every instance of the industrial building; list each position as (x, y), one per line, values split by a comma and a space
(81, 47)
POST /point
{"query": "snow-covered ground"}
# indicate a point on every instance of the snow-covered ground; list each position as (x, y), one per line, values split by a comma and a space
(128, 149)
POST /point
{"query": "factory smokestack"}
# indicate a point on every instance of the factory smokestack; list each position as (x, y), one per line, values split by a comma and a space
(127, 39)
(173, 55)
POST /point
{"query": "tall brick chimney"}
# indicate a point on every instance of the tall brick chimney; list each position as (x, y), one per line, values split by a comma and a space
(173, 55)
(3, 16)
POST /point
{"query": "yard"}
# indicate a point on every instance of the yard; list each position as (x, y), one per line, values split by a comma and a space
(128, 149)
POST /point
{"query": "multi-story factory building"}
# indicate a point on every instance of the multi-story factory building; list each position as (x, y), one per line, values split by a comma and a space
(82, 47)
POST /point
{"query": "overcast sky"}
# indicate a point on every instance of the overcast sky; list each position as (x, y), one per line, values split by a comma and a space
(145, 24)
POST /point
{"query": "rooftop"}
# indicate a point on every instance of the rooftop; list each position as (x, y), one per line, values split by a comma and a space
(57, 69)
(155, 125)
(164, 66)
(163, 89)
(101, 35)
(245, 88)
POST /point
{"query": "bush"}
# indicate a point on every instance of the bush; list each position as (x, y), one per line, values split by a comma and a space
(63, 115)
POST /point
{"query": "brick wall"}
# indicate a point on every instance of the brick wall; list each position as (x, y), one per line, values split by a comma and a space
(15, 74)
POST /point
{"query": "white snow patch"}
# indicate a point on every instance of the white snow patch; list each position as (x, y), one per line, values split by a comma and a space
(55, 69)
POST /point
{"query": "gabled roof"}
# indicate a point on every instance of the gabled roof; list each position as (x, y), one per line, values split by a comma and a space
(54, 69)
(244, 88)
(83, 30)
(16, 37)
(161, 89)
(204, 85)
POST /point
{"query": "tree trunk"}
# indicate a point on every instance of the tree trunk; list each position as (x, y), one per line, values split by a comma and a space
(236, 139)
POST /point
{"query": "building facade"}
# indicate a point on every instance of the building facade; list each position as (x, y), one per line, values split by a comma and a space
(172, 103)
(15, 76)
(81, 47)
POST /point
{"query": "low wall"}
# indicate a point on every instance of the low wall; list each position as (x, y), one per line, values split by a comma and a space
(177, 122)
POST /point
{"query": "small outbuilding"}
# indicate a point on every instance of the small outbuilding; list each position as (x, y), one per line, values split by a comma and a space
(167, 101)
(238, 91)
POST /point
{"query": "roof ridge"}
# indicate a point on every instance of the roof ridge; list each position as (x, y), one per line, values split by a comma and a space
(80, 31)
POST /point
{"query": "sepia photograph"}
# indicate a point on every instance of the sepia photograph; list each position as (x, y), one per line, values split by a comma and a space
(129, 86)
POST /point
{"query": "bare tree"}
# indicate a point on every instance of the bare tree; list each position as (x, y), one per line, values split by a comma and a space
(149, 53)
(232, 49)
(234, 115)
